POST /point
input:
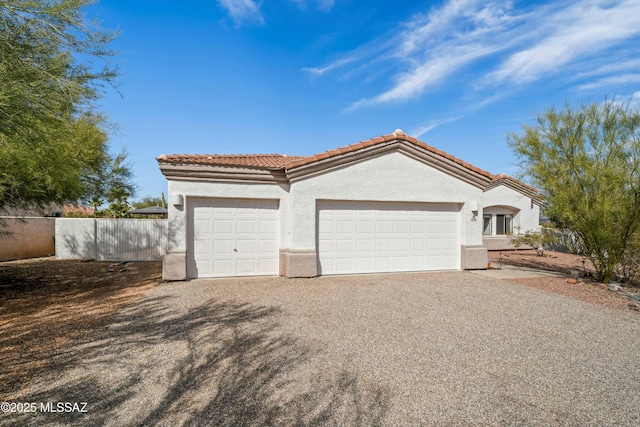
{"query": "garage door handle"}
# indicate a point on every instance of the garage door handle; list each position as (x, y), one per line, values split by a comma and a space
(235, 250)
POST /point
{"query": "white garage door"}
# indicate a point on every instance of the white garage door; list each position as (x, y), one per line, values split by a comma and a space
(232, 238)
(370, 237)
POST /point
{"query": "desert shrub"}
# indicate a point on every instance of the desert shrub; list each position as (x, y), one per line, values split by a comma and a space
(536, 239)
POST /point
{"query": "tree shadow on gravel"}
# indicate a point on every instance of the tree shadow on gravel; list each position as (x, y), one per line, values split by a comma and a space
(222, 363)
(530, 259)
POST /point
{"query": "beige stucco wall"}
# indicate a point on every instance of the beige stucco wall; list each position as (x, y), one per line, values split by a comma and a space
(30, 238)
(389, 177)
(504, 200)
(526, 214)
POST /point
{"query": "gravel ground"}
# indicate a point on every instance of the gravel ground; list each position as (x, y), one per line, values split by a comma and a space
(405, 349)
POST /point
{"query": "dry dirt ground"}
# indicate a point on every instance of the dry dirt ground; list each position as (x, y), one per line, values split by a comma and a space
(45, 303)
(573, 266)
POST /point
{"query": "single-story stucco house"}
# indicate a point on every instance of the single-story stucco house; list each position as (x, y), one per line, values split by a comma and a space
(387, 204)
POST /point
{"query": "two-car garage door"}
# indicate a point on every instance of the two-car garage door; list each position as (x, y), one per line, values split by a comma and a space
(368, 237)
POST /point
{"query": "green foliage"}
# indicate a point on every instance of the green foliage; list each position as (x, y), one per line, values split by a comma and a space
(50, 137)
(628, 270)
(111, 182)
(586, 163)
(535, 239)
(149, 202)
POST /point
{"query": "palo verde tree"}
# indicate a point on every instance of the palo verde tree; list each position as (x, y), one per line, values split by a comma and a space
(53, 65)
(110, 183)
(586, 162)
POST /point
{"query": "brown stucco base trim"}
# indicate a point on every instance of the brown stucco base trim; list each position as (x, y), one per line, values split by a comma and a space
(497, 243)
(174, 266)
(298, 263)
(473, 257)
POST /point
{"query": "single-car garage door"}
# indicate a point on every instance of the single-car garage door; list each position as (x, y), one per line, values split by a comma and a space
(229, 237)
(376, 237)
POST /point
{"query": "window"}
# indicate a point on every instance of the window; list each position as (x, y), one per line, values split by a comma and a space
(486, 225)
(504, 224)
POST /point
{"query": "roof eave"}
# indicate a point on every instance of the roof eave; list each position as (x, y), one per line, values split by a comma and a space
(226, 173)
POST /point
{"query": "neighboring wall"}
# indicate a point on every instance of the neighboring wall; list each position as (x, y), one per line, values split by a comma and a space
(111, 239)
(30, 237)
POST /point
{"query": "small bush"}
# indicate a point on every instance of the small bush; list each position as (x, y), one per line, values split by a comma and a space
(536, 239)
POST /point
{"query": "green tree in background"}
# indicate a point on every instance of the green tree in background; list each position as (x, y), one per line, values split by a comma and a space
(586, 162)
(52, 141)
(149, 201)
(111, 183)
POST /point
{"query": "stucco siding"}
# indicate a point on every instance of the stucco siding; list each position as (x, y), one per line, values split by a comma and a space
(526, 213)
(389, 177)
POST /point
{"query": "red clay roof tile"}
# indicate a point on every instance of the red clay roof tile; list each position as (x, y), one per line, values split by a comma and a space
(267, 161)
(280, 161)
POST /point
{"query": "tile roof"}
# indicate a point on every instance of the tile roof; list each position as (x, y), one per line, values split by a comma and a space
(501, 176)
(397, 135)
(286, 162)
(262, 161)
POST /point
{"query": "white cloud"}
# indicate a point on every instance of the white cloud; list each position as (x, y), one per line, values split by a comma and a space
(499, 48)
(428, 73)
(438, 44)
(611, 67)
(331, 66)
(243, 10)
(570, 34)
(417, 133)
(612, 80)
(323, 5)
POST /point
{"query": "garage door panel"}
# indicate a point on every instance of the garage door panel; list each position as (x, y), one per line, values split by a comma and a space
(364, 226)
(220, 247)
(202, 227)
(364, 264)
(220, 266)
(383, 263)
(232, 237)
(246, 226)
(343, 265)
(363, 237)
(267, 246)
(449, 245)
(364, 246)
(416, 262)
(382, 245)
(399, 246)
(417, 245)
(345, 226)
(267, 226)
(219, 225)
(243, 247)
(345, 246)
(383, 226)
(417, 227)
(400, 263)
(400, 227)
(325, 245)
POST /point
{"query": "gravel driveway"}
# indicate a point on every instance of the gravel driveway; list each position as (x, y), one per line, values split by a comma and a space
(404, 349)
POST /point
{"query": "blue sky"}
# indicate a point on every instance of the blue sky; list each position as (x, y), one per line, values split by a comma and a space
(304, 76)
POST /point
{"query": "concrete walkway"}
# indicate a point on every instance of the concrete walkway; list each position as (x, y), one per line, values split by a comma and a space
(514, 272)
